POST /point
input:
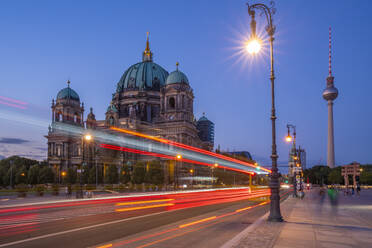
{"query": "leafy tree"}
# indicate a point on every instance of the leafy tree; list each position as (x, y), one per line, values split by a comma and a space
(3, 172)
(112, 175)
(71, 176)
(33, 174)
(21, 176)
(124, 174)
(85, 174)
(92, 175)
(154, 173)
(335, 177)
(366, 177)
(139, 173)
(46, 175)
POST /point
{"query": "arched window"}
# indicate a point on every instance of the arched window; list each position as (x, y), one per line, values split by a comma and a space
(59, 116)
(111, 120)
(76, 119)
(172, 102)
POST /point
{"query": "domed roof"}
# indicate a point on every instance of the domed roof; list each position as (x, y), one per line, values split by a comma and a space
(68, 93)
(145, 75)
(203, 118)
(177, 77)
(112, 108)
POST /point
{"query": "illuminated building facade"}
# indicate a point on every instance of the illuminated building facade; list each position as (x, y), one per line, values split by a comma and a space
(147, 100)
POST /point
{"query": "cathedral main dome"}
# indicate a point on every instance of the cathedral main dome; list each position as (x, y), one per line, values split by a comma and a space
(145, 75)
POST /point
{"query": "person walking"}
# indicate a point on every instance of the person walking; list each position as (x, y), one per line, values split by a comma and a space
(358, 189)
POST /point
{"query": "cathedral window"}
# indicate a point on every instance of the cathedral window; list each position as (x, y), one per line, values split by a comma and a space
(76, 118)
(111, 120)
(172, 102)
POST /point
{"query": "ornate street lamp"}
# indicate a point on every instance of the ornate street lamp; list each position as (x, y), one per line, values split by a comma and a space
(253, 47)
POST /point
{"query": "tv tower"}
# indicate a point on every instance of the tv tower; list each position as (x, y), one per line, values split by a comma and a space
(329, 94)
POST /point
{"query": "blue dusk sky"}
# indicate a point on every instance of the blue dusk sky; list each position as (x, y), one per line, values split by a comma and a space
(92, 43)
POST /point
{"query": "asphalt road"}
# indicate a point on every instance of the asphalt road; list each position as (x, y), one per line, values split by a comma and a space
(101, 224)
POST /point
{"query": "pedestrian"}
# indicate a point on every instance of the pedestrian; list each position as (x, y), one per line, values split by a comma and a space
(358, 189)
(352, 190)
(333, 198)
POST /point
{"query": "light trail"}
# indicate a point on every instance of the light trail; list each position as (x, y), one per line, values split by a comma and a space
(125, 149)
(180, 145)
(144, 207)
(147, 145)
(197, 222)
(141, 202)
(12, 102)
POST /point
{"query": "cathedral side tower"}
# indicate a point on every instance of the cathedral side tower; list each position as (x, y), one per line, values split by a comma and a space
(177, 98)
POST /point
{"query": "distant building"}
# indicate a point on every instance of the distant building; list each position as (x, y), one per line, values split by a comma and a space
(206, 131)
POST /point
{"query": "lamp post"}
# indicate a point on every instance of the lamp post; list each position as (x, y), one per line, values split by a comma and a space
(178, 158)
(294, 156)
(192, 178)
(253, 47)
(215, 166)
(87, 138)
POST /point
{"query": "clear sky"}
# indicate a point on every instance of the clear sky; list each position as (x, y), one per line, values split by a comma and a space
(92, 43)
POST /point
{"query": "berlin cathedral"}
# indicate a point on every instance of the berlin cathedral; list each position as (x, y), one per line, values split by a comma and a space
(147, 100)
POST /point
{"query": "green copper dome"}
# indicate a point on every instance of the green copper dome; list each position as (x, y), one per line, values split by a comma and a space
(68, 93)
(112, 108)
(145, 75)
(177, 77)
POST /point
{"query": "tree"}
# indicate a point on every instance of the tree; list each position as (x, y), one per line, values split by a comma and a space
(366, 177)
(46, 175)
(33, 174)
(92, 175)
(71, 176)
(3, 172)
(335, 177)
(124, 174)
(154, 173)
(138, 173)
(112, 175)
(21, 176)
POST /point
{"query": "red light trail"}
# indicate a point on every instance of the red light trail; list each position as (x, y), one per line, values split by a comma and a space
(187, 147)
(159, 155)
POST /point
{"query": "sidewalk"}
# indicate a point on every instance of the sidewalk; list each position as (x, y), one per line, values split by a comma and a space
(311, 223)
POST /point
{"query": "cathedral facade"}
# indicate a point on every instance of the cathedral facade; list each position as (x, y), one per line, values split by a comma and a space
(147, 100)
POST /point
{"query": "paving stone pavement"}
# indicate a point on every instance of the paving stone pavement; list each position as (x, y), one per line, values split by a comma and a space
(313, 222)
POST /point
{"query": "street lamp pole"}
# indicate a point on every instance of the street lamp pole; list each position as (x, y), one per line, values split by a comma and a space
(294, 157)
(275, 215)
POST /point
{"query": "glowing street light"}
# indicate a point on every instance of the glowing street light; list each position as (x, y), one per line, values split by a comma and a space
(178, 156)
(63, 173)
(288, 138)
(88, 137)
(253, 46)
